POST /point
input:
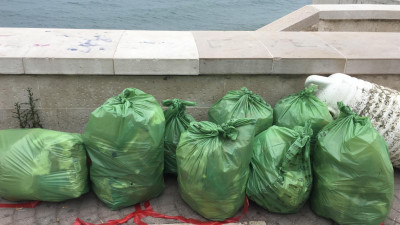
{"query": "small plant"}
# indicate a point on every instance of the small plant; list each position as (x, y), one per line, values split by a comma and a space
(28, 118)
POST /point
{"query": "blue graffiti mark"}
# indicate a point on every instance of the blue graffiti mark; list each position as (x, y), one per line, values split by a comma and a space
(88, 43)
(72, 49)
(102, 49)
(98, 38)
(47, 31)
(66, 35)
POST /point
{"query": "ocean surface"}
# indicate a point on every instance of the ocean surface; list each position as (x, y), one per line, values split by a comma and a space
(146, 14)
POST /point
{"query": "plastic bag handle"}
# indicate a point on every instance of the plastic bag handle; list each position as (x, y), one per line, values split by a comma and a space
(320, 81)
(227, 130)
(295, 149)
(302, 141)
(176, 102)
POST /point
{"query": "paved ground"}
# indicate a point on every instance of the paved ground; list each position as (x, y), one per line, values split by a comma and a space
(90, 209)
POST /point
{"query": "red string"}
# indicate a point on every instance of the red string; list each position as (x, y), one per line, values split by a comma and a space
(20, 205)
(140, 213)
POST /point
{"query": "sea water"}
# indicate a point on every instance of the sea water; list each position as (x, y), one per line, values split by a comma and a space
(146, 14)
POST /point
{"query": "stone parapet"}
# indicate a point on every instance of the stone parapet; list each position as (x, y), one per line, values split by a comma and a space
(113, 52)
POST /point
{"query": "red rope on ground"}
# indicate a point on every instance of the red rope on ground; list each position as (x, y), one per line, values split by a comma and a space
(140, 213)
(20, 205)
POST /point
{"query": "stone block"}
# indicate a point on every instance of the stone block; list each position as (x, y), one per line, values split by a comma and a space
(22, 214)
(300, 53)
(156, 53)
(11, 65)
(48, 220)
(231, 52)
(13, 46)
(366, 52)
(6, 212)
(7, 221)
(301, 19)
(69, 51)
(66, 66)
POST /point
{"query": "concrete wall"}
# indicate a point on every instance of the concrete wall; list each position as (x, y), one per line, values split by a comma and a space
(388, 2)
(67, 101)
(73, 72)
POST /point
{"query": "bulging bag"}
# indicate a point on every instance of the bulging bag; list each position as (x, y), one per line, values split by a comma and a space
(242, 104)
(176, 122)
(296, 109)
(213, 166)
(124, 138)
(280, 171)
(39, 164)
(353, 176)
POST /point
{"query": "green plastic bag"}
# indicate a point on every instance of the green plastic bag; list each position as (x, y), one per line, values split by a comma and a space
(242, 104)
(296, 109)
(39, 164)
(213, 166)
(124, 138)
(353, 175)
(176, 122)
(280, 171)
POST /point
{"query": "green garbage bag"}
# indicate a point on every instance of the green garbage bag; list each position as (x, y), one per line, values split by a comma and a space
(176, 122)
(213, 166)
(241, 104)
(353, 175)
(39, 164)
(124, 138)
(296, 109)
(280, 171)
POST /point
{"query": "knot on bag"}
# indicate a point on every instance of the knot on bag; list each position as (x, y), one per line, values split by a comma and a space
(308, 90)
(252, 96)
(305, 131)
(246, 91)
(345, 109)
(177, 104)
(123, 100)
(228, 131)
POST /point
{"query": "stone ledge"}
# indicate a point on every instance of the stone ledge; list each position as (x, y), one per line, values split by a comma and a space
(307, 16)
(115, 52)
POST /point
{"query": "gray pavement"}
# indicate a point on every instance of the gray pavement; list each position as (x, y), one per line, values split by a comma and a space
(92, 210)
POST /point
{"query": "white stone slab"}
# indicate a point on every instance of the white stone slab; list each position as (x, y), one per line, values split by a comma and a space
(156, 53)
(72, 51)
(366, 52)
(231, 52)
(300, 53)
(14, 43)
